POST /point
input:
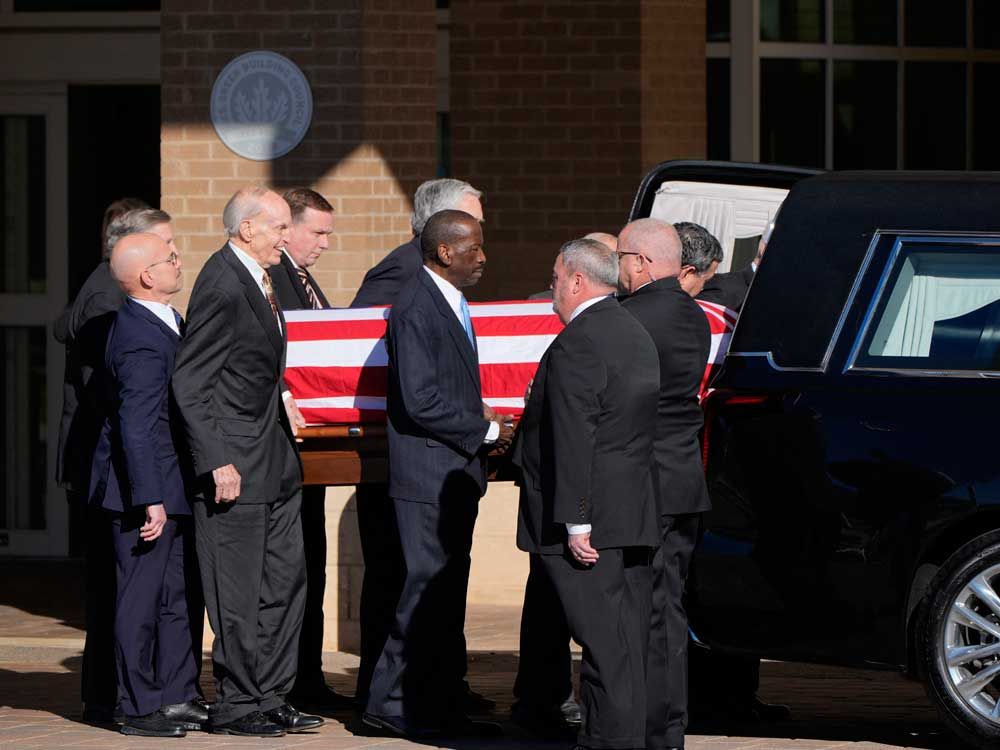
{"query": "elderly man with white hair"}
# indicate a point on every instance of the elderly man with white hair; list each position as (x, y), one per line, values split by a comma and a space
(587, 507)
(228, 387)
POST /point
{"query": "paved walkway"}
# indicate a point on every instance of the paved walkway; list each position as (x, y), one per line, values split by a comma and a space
(41, 641)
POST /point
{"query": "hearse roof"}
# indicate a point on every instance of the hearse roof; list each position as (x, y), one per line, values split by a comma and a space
(822, 235)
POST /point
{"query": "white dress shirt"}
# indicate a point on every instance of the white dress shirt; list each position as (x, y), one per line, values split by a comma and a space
(163, 311)
(583, 528)
(454, 298)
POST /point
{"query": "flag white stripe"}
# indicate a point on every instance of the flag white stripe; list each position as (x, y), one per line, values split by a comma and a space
(374, 403)
(493, 350)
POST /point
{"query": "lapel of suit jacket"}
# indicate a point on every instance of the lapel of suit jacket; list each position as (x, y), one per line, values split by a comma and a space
(455, 328)
(258, 302)
(316, 288)
(152, 319)
(295, 281)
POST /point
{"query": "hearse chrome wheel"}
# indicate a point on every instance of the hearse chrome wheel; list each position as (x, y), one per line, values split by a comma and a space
(970, 644)
(958, 641)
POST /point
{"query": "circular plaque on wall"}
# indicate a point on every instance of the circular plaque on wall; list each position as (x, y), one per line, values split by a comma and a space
(261, 105)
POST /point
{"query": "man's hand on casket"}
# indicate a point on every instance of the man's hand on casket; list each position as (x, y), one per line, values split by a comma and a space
(488, 413)
(506, 422)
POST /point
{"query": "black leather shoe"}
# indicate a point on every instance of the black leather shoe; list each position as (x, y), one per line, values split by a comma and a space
(252, 725)
(151, 725)
(323, 697)
(463, 726)
(192, 715)
(476, 703)
(293, 720)
(544, 723)
(392, 726)
(769, 711)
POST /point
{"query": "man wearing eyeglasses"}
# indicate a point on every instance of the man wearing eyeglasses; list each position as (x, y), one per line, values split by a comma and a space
(650, 262)
(138, 478)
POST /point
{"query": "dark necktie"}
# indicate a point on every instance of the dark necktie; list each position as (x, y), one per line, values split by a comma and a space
(314, 302)
(269, 293)
(180, 323)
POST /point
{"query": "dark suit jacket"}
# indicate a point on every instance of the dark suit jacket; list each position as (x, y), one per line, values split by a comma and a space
(228, 381)
(136, 460)
(434, 402)
(729, 289)
(683, 341)
(585, 443)
(288, 287)
(83, 328)
(384, 281)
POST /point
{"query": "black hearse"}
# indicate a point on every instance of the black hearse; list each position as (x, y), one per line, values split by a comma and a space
(850, 441)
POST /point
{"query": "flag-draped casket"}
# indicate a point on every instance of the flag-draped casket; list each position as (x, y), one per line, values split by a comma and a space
(337, 364)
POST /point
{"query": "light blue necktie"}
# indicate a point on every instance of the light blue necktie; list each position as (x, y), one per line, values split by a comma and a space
(467, 321)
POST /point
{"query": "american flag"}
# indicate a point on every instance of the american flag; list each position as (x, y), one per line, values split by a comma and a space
(337, 364)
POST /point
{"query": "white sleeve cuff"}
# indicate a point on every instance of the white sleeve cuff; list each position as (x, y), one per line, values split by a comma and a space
(286, 395)
(492, 434)
(578, 528)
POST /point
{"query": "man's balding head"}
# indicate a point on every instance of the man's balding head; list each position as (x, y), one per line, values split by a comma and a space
(146, 268)
(649, 249)
(608, 240)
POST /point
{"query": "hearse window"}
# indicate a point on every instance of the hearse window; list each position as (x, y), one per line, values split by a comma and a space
(940, 311)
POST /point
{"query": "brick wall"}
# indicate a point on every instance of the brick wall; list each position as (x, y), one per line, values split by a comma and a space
(370, 64)
(557, 110)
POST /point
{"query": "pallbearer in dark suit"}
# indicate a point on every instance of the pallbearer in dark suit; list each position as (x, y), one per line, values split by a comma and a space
(438, 438)
(296, 289)
(587, 506)
(137, 478)
(83, 329)
(228, 386)
(376, 518)
(651, 262)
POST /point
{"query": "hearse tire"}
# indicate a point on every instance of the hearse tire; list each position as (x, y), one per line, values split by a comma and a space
(943, 628)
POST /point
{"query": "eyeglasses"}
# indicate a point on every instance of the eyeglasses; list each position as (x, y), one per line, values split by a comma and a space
(171, 259)
(620, 253)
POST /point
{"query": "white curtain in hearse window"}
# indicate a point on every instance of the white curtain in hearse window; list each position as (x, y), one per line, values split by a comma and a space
(942, 309)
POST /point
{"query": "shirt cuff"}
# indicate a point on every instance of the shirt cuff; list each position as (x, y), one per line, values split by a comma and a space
(578, 528)
(492, 434)
(286, 395)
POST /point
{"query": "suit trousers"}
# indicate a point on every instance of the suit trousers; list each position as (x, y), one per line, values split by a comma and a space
(666, 664)
(383, 580)
(310, 677)
(98, 682)
(253, 574)
(419, 675)
(153, 654)
(608, 608)
(544, 668)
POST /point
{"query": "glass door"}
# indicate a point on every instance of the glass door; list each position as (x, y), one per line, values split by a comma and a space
(33, 260)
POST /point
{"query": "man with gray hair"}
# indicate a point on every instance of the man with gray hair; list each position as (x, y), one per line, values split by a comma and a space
(228, 387)
(652, 266)
(383, 282)
(384, 573)
(587, 510)
(701, 255)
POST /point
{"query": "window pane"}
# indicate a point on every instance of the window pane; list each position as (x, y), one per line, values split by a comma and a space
(22, 434)
(986, 23)
(932, 23)
(22, 204)
(717, 20)
(60, 6)
(792, 112)
(985, 114)
(943, 312)
(791, 20)
(935, 116)
(864, 115)
(864, 21)
(717, 107)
